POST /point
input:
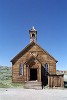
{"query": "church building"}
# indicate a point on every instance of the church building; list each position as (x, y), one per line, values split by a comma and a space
(34, 64)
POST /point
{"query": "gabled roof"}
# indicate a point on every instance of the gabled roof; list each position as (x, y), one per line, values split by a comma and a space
(22, 51)
(27, 48)
(31, 59)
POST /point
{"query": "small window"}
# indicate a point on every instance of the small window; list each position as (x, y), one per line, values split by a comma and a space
(21, 69)
(33, 35)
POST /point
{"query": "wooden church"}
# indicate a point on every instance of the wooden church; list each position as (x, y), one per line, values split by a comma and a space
(34, 64)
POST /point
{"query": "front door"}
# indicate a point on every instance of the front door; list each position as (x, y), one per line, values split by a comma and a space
(33, 74)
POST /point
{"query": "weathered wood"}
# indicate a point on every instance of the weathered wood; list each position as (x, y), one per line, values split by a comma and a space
(33, 56)
(56, 80)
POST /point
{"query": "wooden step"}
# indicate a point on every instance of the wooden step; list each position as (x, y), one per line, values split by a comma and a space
(33, 85)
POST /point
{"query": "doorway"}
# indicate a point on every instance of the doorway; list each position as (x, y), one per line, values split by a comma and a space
(33, 74)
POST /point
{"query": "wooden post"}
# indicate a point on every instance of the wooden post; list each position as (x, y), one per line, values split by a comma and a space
(62, 81)
(25, 72)
(39, 73)
(48, 81)
(51, 81)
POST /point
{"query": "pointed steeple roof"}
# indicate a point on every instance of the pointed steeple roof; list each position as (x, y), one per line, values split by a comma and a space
(33, 29)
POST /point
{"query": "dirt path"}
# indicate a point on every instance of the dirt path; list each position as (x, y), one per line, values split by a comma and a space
(30, 94)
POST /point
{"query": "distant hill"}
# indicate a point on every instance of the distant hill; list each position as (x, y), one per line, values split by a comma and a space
(5, 72)
(61, 72)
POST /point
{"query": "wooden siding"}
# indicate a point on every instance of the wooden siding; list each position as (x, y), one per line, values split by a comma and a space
(56, 80)
(42, 59)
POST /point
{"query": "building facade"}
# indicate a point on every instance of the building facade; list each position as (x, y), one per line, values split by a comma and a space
(34, 63)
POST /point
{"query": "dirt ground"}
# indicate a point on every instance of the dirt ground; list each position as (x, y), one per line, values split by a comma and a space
(31, 94)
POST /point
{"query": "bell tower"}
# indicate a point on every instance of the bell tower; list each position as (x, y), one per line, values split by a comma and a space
(33, 34)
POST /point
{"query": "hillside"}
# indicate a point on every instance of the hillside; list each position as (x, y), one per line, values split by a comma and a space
(62, 72)
(5, 73)
(6, 78)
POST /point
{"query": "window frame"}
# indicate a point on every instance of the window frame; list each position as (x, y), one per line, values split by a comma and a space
(33, 35)
(21, 69)
(46, 67)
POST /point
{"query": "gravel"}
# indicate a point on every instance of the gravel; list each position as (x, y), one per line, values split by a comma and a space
(32, 94)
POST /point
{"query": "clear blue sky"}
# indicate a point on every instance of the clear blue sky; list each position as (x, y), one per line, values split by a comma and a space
(49, 18)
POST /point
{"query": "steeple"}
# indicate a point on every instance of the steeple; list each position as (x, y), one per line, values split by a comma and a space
(33, 34)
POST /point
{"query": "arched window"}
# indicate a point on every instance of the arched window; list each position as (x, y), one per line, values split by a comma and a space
(46, 68)
(33, 35)
(21, 69)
